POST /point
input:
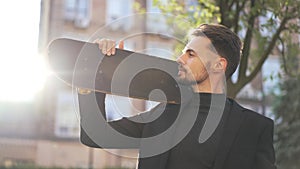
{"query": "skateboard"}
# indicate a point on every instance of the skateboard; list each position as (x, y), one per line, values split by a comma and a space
(82, 65)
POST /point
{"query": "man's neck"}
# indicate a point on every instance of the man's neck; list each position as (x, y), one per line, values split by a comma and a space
(208, 86)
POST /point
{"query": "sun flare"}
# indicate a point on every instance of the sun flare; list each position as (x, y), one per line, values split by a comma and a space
(22, 70)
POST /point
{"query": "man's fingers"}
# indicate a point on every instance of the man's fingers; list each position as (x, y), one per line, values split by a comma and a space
(107, 46)
(111, 45)
(113, 50)
(121, 44)
(104, 46)
(99, 42)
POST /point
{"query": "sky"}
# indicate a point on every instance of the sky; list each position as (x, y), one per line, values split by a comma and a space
(22, 70)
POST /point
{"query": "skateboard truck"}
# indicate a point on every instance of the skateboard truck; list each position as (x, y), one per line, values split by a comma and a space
(83, 91)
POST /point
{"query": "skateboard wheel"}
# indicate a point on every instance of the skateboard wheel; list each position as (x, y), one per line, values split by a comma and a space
(83, 91)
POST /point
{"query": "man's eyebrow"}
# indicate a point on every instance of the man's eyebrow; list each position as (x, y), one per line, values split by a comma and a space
(188, 50)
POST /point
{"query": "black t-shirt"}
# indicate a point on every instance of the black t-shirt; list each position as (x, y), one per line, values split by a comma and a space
(189, 153)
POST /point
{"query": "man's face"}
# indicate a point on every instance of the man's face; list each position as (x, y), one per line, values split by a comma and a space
(195, 61)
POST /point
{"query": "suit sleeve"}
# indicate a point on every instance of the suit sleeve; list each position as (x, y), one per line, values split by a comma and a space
(131, 127)
(265, 155)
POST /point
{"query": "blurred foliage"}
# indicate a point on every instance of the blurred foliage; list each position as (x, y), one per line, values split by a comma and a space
(271, 25)
(287, 124)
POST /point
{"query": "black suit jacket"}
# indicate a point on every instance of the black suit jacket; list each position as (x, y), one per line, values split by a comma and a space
(246, 142)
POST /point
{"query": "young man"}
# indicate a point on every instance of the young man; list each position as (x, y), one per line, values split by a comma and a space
(242, 139)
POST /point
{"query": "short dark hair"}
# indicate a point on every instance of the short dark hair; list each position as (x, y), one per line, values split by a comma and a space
(227, 44)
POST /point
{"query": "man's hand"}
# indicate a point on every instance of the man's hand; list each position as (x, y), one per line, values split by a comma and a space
(108, 46)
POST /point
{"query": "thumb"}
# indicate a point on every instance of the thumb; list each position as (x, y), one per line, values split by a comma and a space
(121, 44)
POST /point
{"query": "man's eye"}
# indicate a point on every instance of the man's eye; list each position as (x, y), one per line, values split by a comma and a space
(191, 54)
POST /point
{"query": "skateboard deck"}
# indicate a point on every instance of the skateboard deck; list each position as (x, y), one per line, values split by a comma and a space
(82, 65)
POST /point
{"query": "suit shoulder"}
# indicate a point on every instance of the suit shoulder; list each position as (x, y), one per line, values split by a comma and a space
(253, 114)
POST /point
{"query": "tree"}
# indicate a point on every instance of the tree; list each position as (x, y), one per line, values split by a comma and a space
(287, 118)
(265, 27)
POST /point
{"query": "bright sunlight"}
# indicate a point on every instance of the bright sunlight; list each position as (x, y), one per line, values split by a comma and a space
(22, 70)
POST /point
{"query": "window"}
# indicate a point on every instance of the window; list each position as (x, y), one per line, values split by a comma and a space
(115, 11)
(79, 12)
(70, 10)
(66, 119)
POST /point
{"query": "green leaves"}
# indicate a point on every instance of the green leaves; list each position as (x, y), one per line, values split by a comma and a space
(261, 24)
(287, 122)
(202, 11)
(138, 7)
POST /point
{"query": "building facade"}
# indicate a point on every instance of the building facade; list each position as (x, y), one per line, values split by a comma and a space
(52, 135)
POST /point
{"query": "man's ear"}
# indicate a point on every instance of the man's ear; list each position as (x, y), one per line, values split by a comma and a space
(220, 65)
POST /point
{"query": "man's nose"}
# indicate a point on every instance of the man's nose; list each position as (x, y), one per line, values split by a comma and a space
(181, 59)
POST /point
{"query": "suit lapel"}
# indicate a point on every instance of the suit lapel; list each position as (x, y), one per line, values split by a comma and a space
(160, 161)
(234, 118)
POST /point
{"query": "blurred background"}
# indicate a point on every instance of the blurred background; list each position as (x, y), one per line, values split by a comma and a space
(39, 123)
